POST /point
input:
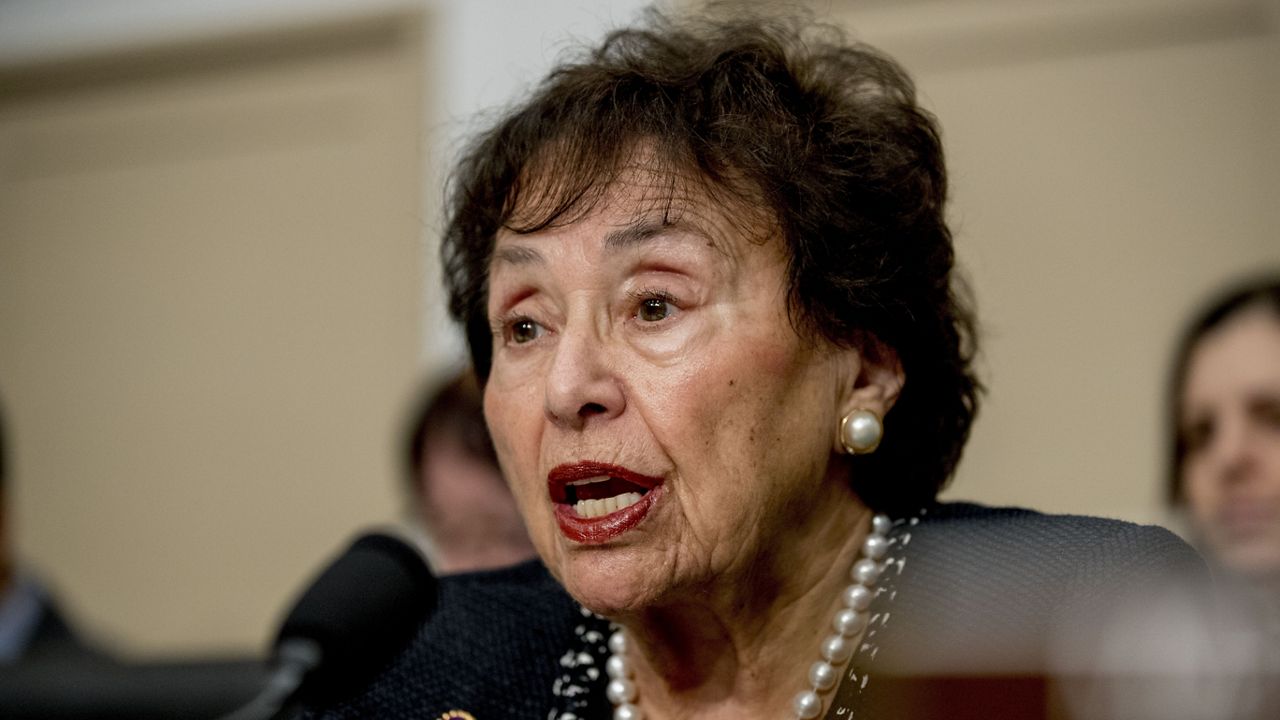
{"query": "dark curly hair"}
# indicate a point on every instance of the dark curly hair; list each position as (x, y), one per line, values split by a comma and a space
(775, 113)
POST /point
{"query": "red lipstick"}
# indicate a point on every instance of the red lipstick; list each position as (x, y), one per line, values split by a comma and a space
(598, 530)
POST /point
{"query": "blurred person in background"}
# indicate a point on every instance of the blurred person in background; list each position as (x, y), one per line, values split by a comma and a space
(459, 499)
(32, 628)
(1225, 470)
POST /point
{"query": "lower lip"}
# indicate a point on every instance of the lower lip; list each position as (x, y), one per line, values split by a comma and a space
(600, 530)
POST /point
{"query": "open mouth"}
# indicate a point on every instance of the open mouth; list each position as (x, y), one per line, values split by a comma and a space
(599, 496)
(596, 502)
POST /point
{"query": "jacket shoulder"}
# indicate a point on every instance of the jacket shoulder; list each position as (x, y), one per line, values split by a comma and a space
(489, 649)
(1006, 581)
(1041, 547)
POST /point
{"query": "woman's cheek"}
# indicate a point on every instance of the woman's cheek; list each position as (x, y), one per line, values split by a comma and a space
(660, 347)
(512, 411)
(1201, 497)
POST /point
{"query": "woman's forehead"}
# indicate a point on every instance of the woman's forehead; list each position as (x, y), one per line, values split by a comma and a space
(643, 201)
(1243, 351)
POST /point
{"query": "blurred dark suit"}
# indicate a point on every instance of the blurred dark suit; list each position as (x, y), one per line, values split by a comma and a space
(34, 629)
(50, 671)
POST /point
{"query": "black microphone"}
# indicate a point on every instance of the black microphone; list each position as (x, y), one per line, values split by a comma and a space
(350, 622)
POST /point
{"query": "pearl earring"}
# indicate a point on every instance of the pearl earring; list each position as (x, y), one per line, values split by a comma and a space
(860, 432)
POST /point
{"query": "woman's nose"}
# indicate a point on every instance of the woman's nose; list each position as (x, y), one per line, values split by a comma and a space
(1234, 450)
(581, 386)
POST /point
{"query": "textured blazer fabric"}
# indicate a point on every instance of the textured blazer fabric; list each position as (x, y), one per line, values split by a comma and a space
(981, 613)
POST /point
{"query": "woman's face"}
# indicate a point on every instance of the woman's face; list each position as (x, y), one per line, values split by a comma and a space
(661, 423)
(1231, 427)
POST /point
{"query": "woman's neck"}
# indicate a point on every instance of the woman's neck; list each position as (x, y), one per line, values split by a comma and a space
(743, 649)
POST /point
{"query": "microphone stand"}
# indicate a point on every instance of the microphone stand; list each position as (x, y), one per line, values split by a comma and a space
(361, 610)
(295, 657)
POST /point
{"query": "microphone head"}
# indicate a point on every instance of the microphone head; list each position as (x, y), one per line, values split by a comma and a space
(361, 611)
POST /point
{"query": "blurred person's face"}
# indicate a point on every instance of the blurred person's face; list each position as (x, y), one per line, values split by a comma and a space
(1231, 429)
(666, 430)
(469, 511)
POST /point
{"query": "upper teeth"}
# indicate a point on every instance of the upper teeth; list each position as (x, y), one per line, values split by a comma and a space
(588, 481)
(605, 506)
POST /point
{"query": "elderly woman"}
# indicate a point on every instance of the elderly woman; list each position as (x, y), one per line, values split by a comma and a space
(705, 276)
(1225, 471)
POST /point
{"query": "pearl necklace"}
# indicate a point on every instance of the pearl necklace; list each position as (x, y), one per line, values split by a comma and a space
(848, 623)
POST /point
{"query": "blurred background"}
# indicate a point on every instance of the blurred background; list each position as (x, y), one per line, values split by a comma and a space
(219, 289)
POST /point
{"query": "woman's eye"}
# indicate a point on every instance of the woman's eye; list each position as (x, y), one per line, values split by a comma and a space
(523, 331)
(1267, 411)
(1197, 436)
(654, 309)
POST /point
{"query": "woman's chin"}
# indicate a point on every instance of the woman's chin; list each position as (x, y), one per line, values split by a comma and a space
(1259, 561)
(608, 586)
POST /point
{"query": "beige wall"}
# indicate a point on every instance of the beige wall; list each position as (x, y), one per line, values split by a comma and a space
(1111, 163)
(211, 263)
(212, 257)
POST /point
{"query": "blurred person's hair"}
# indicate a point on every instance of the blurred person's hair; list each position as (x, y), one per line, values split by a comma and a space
(1257, 292)
(449, 411)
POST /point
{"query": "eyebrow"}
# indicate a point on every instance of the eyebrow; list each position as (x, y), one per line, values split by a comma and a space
(635, 234)
(615, 240)
(517, 255)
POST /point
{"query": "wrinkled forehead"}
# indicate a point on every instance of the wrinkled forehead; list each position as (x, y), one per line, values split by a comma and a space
(639, 188)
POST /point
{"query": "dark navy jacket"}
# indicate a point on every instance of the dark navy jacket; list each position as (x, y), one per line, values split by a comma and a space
(982, 612)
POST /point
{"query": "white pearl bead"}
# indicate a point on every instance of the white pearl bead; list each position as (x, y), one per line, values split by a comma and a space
(807, 705)
(862, 431)
(822, 676)
(866, 571)
(836, 648)
(849, 622)
(617, 667)
(874, 547)
(620, 691)
(881, 524)
(618, 642)
(858, 597)
(627, 712)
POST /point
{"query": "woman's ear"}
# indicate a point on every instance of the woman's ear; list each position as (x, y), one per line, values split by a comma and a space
(873, 378)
